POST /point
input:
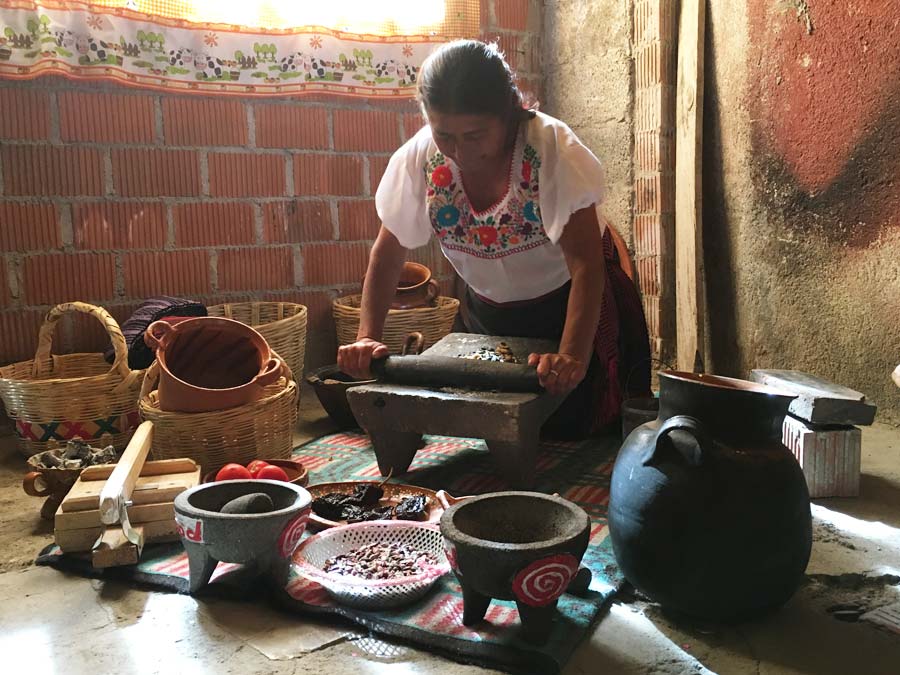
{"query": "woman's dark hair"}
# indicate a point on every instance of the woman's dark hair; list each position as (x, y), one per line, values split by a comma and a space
(469, 77)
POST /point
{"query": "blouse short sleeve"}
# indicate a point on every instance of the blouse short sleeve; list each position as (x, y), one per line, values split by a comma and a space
(400, 198)
(571, 175)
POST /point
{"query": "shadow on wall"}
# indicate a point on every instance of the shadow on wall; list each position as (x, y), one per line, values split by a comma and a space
(723, 347)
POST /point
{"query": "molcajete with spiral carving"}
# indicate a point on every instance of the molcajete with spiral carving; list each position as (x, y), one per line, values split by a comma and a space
(522, 546)
(709, 513)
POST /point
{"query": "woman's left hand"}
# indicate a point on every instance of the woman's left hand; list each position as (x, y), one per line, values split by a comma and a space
(558, 373)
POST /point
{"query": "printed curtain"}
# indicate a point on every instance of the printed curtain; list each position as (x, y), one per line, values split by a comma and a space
(243, 47)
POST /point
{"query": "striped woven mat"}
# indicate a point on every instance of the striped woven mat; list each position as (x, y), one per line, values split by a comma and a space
(578, 471)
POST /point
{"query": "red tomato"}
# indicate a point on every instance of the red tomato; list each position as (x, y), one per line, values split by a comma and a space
(273, 473)
(255, 466)
(233, 472)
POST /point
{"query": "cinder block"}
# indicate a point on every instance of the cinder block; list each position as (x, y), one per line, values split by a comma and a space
(26, 113)
(156, 173)
(102, 117)
(829, 457)
(52, 171)
(26, 226)
(366, 130)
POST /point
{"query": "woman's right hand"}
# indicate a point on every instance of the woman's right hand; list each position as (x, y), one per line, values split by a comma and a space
(355, 359)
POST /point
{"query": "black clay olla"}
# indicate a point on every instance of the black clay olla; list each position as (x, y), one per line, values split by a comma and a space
(266, 539)
(522, 546)
(709, 512)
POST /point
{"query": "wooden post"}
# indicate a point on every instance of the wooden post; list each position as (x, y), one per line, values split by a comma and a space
(689, 283)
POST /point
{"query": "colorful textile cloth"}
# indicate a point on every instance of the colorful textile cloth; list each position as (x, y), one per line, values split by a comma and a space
(579, 472)
(158, 48)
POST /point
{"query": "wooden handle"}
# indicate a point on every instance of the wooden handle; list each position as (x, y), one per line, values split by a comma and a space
(121, 482)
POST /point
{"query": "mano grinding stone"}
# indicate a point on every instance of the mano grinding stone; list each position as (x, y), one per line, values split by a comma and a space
(257, 502)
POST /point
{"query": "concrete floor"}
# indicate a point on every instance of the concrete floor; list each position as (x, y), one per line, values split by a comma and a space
(54, 623)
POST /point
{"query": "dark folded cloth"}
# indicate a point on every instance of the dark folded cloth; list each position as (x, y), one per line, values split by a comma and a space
(154, 309)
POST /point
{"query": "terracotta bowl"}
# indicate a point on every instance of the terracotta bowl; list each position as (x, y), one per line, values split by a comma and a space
(521, 546)
(211, 363)
(265, 540)
(295, 470)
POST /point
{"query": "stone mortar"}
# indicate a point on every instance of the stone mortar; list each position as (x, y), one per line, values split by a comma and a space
(522, 546)
(265, 540)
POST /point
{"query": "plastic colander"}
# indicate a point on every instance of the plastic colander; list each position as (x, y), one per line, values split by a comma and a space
(362, 593)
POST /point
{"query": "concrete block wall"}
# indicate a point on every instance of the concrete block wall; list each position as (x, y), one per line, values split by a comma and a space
(111, 194)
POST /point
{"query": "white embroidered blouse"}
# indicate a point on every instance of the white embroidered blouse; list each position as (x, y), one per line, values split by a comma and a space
(511, 251)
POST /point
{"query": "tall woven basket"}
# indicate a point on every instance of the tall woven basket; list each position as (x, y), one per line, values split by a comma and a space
(262, 429)
(432, 322)
(282, 324)
(60, 397)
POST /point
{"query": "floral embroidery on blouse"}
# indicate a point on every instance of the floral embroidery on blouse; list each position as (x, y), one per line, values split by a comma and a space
(514, 225)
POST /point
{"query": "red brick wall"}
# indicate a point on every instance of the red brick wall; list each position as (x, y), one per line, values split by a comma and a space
(111, 194)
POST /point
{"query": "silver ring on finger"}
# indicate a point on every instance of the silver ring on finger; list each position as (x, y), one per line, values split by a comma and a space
(554, 373)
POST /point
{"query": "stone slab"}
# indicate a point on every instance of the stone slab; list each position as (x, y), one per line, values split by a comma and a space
(818, 400)
(396, 416)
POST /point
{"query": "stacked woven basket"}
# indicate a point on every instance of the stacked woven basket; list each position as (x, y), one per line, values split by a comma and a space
(60, 397)
(433, 322)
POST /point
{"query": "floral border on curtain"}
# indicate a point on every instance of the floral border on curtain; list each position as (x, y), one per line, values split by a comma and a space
(81, 40)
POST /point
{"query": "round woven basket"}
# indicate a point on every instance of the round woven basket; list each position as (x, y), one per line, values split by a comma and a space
(60, 397)
(263, 428)
(432, 322)
(282, 324)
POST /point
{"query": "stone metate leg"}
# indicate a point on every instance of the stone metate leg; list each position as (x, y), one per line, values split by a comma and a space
(515, 459)
(394, 450)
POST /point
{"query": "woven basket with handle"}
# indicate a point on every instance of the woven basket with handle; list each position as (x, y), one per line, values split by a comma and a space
(262, 429)
(432, 322)
(282, 324)
(59, 397)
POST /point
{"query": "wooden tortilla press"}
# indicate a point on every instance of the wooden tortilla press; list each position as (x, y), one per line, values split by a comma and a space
(114, 509)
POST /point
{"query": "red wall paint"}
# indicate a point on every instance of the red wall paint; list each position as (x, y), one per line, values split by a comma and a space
(826, 111)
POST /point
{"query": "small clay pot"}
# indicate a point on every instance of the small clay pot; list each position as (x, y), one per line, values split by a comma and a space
(521, 546)
(52, 483)
(264, 540)
(211, 363)
(416, 288)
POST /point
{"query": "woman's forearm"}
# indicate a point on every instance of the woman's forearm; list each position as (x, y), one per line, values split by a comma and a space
(583, 313)
(582, 244)
(380, 285)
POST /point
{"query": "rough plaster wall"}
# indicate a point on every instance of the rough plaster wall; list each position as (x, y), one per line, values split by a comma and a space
(587, 83)
(801, 219)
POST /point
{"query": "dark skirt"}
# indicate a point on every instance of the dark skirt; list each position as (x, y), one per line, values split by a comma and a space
(621, 347)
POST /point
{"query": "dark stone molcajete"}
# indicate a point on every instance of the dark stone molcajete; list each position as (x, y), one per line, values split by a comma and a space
(266, 540)
(522, 546)
(331, 385)
(709, 513)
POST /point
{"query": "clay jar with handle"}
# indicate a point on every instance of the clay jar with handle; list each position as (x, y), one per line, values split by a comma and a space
(211, 363)
(416, 287)
(708, 511)
(52, 483)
